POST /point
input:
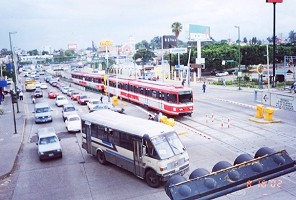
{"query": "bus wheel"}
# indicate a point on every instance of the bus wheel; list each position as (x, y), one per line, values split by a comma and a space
(101, 157)
(152, 179)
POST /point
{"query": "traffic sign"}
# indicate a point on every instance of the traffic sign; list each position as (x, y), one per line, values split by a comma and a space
(106, 43)
(178, 50)
(260, 69)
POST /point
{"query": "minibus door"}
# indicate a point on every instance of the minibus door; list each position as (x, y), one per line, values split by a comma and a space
(138, 158)
(88, 138)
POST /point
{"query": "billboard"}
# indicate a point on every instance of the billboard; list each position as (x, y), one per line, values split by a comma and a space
(72, 47)
(198, 32)
(274, 1)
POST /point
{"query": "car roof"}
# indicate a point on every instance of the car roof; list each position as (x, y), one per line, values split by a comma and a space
(73, 115)
(68, 105)
(46, 131)
(41, 105)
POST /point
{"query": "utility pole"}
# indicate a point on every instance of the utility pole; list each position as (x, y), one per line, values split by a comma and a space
(14, 71)
(239, 59)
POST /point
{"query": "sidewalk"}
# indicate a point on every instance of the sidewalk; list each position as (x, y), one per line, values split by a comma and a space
(10, 142)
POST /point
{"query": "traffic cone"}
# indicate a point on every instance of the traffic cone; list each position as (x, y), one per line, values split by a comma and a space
(212, 117)
(222, 123)
(206, 118)
(228, 123)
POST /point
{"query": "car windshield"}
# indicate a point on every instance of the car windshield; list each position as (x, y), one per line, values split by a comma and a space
(61, 98)
(48, 140)
(83, 97)
(74, 119)
(41, 110)
(95, 102)
(68, 109)
(168, 145)
(185, 97)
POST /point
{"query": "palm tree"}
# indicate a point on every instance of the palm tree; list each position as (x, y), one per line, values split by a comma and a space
(177, 28)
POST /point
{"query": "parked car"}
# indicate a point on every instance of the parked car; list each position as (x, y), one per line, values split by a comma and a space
(82, 99)
(61, 100)
(74, 95)
(48, 144)
(68, 109)
(43, 86)
(92, 103)
(99, 107)
(53, 94)
(38, 93)
(73, 123)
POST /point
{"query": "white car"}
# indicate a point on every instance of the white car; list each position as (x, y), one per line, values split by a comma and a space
(61, 100)
(48, 143)
(38, 84)
(92, 103)
(73, 123)
(222, 74)
(43, 86)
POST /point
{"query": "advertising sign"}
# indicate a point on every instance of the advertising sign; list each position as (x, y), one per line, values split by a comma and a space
(72, 46)
(198, 32)
(178, 50)
(274, 1)
(285, 102)
(106, 43)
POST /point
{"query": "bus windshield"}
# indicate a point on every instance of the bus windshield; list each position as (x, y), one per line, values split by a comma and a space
(185, 97)
(168, 145)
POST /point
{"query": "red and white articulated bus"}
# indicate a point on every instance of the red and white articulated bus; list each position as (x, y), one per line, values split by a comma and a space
(169, 99)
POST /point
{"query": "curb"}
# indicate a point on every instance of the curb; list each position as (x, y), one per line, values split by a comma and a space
(17, 154)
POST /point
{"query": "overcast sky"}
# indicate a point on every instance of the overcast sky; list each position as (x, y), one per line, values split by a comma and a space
(58, 23)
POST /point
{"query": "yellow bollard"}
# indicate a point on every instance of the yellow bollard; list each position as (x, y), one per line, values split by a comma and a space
(114, 101)
(269, 113)
(259, 111)
(163, 119)
(171, 122)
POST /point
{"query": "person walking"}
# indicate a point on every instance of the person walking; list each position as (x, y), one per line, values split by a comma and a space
(21, 95)
(183, 82)
(204, 87)
(101, 99)
(224, 83)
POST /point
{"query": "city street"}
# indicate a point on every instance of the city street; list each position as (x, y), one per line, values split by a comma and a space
(220, 130)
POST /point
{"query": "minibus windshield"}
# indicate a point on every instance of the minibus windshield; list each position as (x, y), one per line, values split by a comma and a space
(168, 145)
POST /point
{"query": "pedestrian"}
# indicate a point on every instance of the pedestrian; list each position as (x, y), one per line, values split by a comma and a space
(3, 95)
(224, 83)
(204, 87)
(183, 82)
(155, 117)
(150, 117)
(159, 116)
(21, 95)
(101, 99)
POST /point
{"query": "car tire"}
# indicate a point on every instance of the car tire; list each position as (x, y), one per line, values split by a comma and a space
(152, 179)
(101, 158)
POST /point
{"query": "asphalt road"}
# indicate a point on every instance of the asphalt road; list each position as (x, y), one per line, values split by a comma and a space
(78, 175)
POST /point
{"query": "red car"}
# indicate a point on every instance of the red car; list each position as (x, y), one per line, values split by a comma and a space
(52, 95)
(83, 99)
(74, 95)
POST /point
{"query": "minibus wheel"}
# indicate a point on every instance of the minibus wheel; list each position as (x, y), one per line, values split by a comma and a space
(152, 179)
(101, 158)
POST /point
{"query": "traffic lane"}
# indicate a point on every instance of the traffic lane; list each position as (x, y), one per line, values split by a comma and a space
(53, 182)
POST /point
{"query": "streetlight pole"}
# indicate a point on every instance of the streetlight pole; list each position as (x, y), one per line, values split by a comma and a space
(239, 58)
(14, 71)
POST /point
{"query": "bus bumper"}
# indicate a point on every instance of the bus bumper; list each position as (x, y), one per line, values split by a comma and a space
(181, 171)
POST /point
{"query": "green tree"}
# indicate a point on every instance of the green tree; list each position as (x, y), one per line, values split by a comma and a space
(33, 52)
(176, 28)
(69, 53)
(145, 55)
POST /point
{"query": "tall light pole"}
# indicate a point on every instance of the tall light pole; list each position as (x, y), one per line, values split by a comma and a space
(239, 58)
(13, 67)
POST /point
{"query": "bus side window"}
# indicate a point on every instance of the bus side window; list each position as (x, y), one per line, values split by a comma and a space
(94, 131)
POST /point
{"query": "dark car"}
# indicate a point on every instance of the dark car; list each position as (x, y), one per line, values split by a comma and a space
(38, 93)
